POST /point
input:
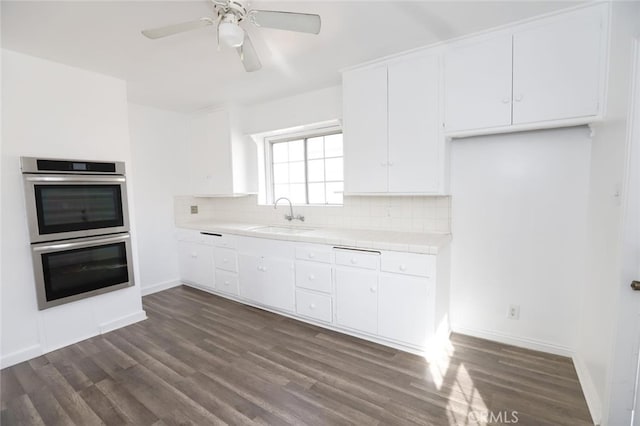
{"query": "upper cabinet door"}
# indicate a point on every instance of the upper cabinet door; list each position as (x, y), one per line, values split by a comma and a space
(210, 154)
(557, 67)
(365, 130)
(415, 142)
(478, 84)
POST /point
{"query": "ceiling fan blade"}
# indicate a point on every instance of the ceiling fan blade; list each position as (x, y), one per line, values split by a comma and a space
(300, 22)
(160, 32)
(248, 55)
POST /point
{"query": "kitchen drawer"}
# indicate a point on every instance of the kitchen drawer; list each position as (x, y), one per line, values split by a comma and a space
(226, 259)
(408, 263)
(312, 305)
(314, 276)
(357, 258)
(227, 282)
(218, 240)
(313, 253)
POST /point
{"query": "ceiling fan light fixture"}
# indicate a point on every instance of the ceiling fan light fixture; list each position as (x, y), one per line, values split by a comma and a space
(230, 32)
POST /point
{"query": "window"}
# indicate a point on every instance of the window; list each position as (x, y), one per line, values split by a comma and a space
(307, 170)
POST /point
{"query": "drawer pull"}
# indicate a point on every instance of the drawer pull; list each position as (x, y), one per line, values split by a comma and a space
(225, 260)
(226, 283)
(403, 268)
(312, 277)
(312, 306)
(194, 254)
(311, 255)
(372, 289)
(354, 261)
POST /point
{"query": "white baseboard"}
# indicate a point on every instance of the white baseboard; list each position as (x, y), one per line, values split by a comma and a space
(122, 322)
(523, 342)
(20, 356)
(154, 288)
(589, 389)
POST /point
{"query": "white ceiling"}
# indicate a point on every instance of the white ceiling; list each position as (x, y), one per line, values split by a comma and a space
(186, 72)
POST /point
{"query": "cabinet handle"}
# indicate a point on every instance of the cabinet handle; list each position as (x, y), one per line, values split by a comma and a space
(311, 277)
(519, 97)
(312, 306)
(403, 268)
(354, 260)
(506, 100)
(311, 255)
(226, 283)
(383, 164)
(390, 163)
(194, 254)
(372, 289)
(225, 260)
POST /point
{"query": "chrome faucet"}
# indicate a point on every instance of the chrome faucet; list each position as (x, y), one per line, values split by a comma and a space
(289, 216)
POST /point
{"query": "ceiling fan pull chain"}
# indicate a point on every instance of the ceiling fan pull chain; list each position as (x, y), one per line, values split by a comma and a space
(218, 32)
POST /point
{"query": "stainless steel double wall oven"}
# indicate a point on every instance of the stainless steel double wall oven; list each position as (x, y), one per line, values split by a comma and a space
(79, 228)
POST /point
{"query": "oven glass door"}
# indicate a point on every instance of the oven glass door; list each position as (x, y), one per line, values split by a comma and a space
(82, 268)
(64, 207)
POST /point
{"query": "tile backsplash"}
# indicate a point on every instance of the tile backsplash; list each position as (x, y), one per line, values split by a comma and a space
(403, 214)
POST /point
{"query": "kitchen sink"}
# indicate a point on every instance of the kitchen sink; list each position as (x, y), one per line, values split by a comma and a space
(276, 229)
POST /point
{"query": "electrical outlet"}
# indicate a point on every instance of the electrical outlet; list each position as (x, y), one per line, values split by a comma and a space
(194, 209)
(514, 312)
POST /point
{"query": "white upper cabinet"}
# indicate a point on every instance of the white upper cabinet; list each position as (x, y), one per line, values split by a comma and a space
(542, 74)
(478, 84)
(556, 68)
(392, 127)
(365, 130)
(415, 140)
(220, 156)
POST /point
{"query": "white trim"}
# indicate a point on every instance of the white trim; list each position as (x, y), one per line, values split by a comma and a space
(522, 342)
(588, 389)
(554, 124)
(20, 356)
(122, 322)
(154, 288)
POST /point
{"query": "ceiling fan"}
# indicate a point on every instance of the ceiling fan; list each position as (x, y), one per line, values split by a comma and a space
(229, 14)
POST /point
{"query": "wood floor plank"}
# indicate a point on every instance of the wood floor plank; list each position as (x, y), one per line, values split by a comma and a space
(201, 359)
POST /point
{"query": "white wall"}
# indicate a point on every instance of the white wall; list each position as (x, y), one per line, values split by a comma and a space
(52, 110)
(519, 222)
(159, 167)
(306, 108)
(602, 285)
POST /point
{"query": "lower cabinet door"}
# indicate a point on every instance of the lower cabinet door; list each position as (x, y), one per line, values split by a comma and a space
(252, 277)
(270, 282)
(357, 299)
(280, 287)
(405, 309)
(196, 264)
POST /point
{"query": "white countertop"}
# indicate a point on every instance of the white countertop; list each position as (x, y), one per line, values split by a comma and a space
(413, 242)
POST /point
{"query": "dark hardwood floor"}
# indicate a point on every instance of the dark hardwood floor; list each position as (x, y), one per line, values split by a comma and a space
(200, 359)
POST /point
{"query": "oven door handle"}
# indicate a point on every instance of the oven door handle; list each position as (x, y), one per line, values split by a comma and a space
(86, 242)
(69, 178)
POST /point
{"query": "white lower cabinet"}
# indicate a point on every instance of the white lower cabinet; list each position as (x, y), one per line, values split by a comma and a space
(390, 297)
(267, 281)
(405, 309)
(196, 263)
(357, 299)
